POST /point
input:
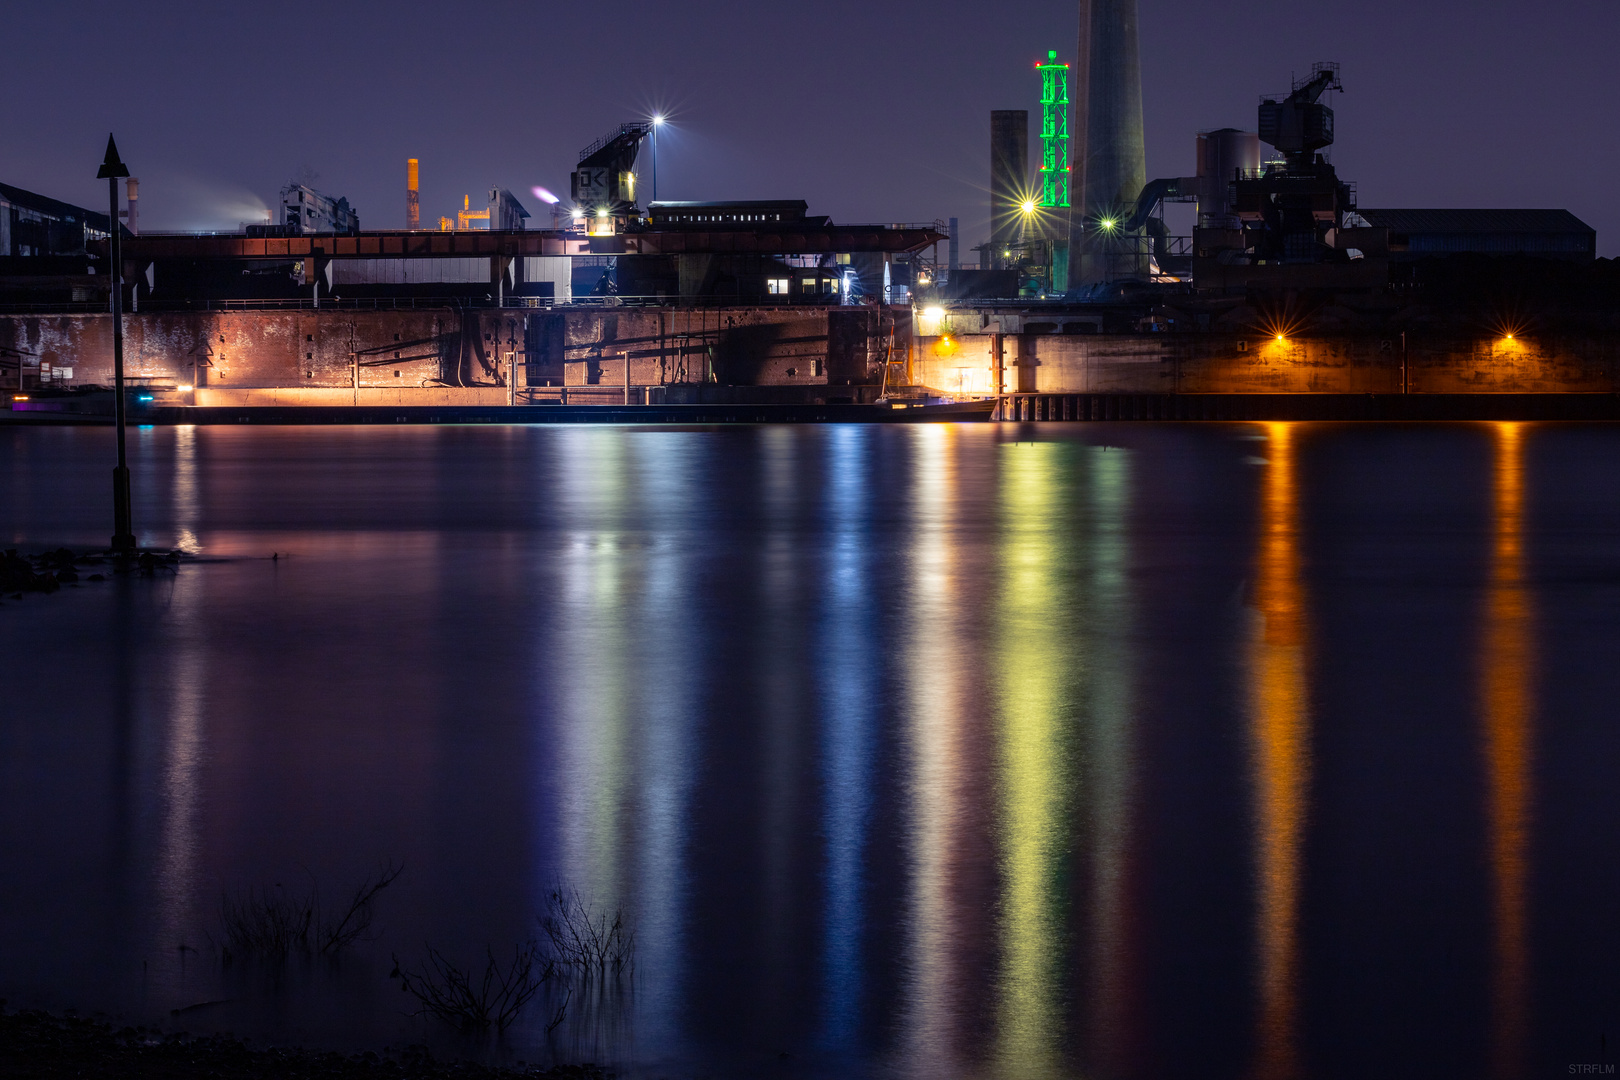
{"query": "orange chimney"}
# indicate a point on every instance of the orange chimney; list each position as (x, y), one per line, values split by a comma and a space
(413, 208)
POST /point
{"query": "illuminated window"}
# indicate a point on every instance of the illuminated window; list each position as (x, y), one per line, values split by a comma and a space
(777, 286)
(809, 284)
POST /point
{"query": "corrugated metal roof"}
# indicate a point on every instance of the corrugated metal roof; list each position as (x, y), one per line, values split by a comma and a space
(1476, 221)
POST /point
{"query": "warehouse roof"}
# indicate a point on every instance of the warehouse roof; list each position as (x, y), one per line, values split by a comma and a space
(1476, 221)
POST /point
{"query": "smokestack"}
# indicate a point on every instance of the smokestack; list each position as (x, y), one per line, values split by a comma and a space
(1111, 169)
(413, 207)
(132, 190)
(1009, 173)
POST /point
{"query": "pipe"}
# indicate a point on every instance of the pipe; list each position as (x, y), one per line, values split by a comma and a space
(1153, 194)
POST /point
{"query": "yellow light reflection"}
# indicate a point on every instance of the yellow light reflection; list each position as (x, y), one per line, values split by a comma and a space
(1280, 735)
(1507, 671)
(1030, 667)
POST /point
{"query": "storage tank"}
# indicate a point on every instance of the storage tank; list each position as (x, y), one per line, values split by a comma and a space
(1222, 155)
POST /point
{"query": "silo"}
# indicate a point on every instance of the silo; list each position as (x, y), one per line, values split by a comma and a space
(1009, 172)
(1222, 155)
(1111, 165)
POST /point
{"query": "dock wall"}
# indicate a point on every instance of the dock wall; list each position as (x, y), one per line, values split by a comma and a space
(1212, 363)
(475, 348)
(411, 356)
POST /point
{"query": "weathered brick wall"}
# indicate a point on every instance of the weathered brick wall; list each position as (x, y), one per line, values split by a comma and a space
(1219, 363)
(261, 348)
(316, 349)
(767, 347)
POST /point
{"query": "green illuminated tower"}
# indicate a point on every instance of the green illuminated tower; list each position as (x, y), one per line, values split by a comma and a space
(1054, 131)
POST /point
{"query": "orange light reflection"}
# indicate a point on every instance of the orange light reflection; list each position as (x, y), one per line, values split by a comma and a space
(1506, 677)
(1280, 736)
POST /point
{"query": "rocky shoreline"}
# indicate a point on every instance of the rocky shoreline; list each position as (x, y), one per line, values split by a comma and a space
(47, 1046)
(48, 571)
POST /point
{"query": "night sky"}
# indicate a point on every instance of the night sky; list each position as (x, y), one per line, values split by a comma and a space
(871, 111)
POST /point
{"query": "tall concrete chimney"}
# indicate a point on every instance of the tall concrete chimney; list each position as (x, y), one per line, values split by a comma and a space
(413, 207)
(1009, 173)
(132, 190)
(1111, 165)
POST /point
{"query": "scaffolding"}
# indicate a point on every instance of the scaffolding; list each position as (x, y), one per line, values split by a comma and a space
(1055, 168)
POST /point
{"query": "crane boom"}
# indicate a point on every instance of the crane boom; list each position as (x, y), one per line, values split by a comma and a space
(1300, 124)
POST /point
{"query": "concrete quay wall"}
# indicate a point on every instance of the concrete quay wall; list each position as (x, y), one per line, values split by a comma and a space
(398, 350)
(1161, 363)
(420, 356)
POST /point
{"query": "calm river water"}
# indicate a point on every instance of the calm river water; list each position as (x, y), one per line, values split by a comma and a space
(1075, 750)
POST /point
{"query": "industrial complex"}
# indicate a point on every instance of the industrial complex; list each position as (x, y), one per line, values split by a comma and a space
(1286, 284)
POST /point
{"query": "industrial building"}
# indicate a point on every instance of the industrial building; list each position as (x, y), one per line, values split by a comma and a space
(33, 225)
(1285, 283)
(45, 249)
(305, 210)
(1544, 234)
(607, 250)
(812, 261)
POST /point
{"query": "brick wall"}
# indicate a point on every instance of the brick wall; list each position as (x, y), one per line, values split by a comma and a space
(1221, 363)
(316, 349)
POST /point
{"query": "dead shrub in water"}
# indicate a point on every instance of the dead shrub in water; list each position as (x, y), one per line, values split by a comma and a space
(265, 923)
(271, 924)
(472, 1003)
(337, 934)
(587, 941)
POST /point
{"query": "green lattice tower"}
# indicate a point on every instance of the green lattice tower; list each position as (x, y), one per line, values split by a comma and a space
(1054, 131)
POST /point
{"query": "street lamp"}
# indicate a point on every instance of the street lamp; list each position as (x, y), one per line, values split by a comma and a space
(657, 122)
(112, 170)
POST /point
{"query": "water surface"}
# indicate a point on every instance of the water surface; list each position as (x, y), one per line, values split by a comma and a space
(1091, 750)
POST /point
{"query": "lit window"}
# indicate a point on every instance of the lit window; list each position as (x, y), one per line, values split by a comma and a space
(809, 284)
(777, 286)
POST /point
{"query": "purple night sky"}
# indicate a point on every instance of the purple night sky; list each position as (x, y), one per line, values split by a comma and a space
(872, 111)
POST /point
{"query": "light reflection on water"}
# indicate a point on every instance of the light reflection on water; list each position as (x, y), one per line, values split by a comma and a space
(1507, 672)
(846, 661)
(934, 702)
(1034, 675)
(1281, 749)
(865, 728)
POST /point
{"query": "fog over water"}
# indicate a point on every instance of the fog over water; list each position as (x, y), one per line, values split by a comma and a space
(923, 750)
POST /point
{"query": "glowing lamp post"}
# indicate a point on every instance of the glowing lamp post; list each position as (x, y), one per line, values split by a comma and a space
(112, 170)
(657, 122)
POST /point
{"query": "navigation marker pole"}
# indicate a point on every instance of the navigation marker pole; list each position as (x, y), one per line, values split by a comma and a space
(112, 170)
